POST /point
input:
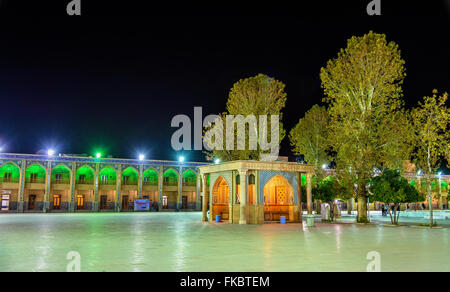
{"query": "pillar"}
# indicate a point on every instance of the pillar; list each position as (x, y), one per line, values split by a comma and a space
(299, 194)
(180, 188)
(118, 187)
(243, 196)
(441, 203)
(309, 192)
(21, 186)
(140, 181)
(160, 187)
(197, 193)
(205, 198)
(96, 185)
(47, 187)
(72, 187)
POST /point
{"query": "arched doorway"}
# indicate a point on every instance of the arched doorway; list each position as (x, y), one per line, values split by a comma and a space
(278, 199)
(220, 196)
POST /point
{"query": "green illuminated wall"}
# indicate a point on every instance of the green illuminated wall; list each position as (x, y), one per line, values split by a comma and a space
(63, 170)
(109, 173)
(170, 175)
(86, 171)
(189, 176)
(35, 168)
(132, 174)
(151, 174)
(10, 168)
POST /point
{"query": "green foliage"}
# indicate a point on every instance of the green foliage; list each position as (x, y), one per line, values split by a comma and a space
(368, 127)
(310, 138)
(258, 95)
(392, 188)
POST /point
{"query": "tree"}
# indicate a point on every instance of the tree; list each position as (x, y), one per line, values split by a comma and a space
(258, 95)
(431, 123)
(363, 88)
(310, 139)
(392, 188)
(330, 189)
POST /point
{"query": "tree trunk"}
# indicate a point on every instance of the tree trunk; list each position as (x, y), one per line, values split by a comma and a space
(362, 209)
(430, 201)
(349, 206)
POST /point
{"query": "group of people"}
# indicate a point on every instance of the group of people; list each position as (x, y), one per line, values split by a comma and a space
(384, 209)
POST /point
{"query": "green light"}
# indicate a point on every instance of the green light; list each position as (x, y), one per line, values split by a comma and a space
(98, 155)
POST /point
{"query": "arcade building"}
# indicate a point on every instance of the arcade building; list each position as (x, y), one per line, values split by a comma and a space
(42, 183)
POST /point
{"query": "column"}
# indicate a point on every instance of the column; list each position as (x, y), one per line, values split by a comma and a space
(96, 185)
(21, 186)
(205, 198)
(47, 187)
(197, 193)
(141, 179)
(309, 192)
(299, 192)
(441, 205)
(72, 187)
(243, 196)
(180, 188)
(118, 187)
(160, 187)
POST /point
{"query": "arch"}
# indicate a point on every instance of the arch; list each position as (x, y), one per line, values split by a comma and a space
(9, 172)
(35, 173)
(107, 176)
(130, 176)
(61, 174)
(220, 198)
(170, 177)
(189, 178)
(150, 177)
(278, 198)
(85, 175)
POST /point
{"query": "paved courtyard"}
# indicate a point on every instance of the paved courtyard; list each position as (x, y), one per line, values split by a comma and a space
(180, 242)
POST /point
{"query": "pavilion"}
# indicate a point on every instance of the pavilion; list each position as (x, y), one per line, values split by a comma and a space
(255, 192)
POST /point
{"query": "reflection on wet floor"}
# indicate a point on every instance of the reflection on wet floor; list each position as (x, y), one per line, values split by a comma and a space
(180, 242)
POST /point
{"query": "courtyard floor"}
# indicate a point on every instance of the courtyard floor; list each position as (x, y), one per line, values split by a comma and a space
(180, 242)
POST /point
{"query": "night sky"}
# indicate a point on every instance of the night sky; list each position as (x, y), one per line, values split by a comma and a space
(112, 79)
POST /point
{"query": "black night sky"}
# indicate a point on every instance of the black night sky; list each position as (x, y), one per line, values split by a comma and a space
(113, 78)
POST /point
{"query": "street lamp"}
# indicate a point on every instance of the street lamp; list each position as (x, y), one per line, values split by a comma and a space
(181, 159)
(141, 157)
(50, 152)
(217, 161)
(324, 166)
(98, 155)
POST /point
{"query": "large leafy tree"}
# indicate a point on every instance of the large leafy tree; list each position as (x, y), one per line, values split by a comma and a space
(431, 123)
(330, 189)
(392, 188)
(310, 137)
(258, 95)
(363, 89)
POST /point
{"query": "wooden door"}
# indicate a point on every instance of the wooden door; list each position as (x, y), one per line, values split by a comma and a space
(103, 200)
(31, 202)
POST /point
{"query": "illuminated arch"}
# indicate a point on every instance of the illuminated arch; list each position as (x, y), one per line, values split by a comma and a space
(9, 172)
(35, 173)
(220, 198)
(170, 177)
(130, 175)
(189, 177)
(150, 176)
(85, 174)
(61, 174)
(278, 191)
(107, 175)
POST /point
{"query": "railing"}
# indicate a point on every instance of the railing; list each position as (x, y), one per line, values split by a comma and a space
(150, 183)
(189, 183)
(61, 181)
(170, 183)
(85, 181)
(107, 182)
(9, 179)
(129, 183)
(35, 180)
